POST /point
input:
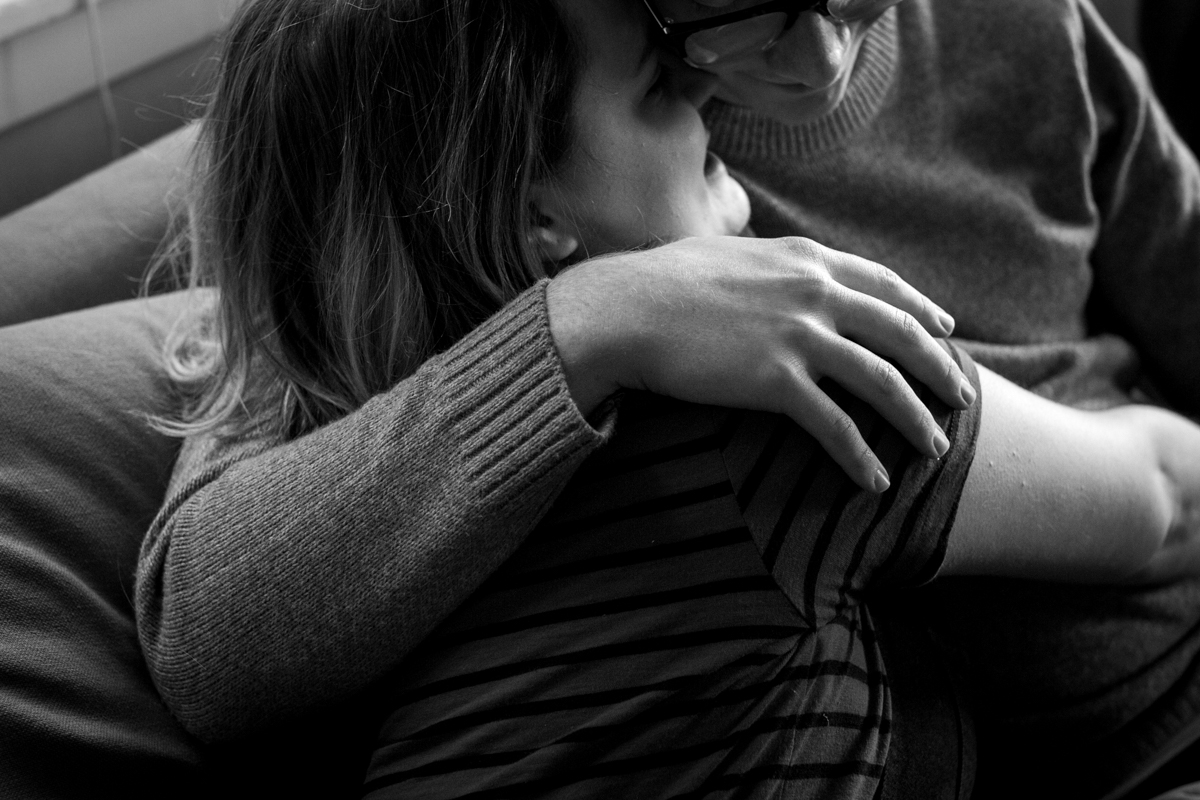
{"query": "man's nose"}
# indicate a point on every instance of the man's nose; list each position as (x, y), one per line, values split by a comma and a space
(812, 52)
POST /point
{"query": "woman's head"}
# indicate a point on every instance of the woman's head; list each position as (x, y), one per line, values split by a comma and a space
(379, 176)
(361, 171)
(638, 172)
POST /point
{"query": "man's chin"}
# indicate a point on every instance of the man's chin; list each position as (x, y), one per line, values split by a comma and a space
(791, 105)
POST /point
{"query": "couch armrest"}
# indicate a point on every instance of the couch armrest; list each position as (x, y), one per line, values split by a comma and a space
(90, 242)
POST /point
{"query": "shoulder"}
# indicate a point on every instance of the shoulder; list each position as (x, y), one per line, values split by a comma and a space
(1015, 73)
(1016, 14)
(981, 31)
(827, 542)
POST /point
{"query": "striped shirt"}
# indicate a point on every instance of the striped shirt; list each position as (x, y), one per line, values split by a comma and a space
(688, 621)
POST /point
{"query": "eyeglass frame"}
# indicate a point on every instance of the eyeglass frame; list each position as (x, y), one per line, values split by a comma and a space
(675, 34)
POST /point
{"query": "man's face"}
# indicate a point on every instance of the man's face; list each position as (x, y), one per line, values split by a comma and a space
(802, 76)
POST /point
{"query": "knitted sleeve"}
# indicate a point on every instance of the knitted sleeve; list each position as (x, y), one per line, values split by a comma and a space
(1146, 184)
(277, 579)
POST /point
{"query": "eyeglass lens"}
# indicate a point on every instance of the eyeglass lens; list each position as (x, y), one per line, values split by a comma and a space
(715, 44)
(758, 33)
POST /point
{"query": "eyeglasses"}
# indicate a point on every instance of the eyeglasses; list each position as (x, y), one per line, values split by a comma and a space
(703, 41)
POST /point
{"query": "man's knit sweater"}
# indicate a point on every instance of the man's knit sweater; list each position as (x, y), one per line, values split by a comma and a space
(1009, 160)
(1003, 157)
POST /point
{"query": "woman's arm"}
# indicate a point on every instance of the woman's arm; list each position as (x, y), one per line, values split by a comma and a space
(278, 579)
(1060, 494)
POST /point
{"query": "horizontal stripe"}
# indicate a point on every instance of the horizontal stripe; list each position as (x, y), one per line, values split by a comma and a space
(763, 463)
(642, 508)
(620, 605)
(626, 766)
(667, 709)
(783, 773)
(816, 561)
(801, 487)
(677, 641)
(824, 540)
(622, 465)
(886, 502)
(674, 709)
(627, 558)
(635, 547)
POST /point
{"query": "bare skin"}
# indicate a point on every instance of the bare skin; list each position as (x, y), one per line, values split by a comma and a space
(1060, 494)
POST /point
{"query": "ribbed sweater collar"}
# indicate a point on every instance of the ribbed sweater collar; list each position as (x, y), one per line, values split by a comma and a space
(742, 132)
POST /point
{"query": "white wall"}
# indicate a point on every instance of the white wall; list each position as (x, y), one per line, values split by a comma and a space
(53, 126)
(46, 55)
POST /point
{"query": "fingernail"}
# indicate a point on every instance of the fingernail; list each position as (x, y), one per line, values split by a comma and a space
(940, 444)
(967, 392)
(881, 482)
(947, 322)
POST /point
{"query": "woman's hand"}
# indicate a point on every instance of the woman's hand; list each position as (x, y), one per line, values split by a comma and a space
(755, 323)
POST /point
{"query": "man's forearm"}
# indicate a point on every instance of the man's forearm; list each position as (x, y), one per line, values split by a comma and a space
(90, 242)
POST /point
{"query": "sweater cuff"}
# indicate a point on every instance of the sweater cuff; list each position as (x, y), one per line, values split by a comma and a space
(520, 426)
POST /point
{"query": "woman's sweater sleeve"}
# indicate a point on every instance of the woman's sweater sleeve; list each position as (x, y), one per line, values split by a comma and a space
(277, 579)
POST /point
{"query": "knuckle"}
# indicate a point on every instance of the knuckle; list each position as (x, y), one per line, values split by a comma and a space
(897, 287)
(844, 430)
(805, 253)
(888, 279)
(817, 291)
(810, 291)
(779, 378)
(811, 272)
(784, 380)
(953, 373)
(910, 332)
(887, 378)
(806, 335)
(799, 246)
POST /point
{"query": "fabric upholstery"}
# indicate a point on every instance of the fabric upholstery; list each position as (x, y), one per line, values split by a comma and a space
(81, 476)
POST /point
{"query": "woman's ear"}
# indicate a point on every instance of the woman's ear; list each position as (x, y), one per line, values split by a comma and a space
(549, 233)
(553, 243)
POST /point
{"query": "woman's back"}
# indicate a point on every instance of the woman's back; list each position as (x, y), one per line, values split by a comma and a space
(688, 617)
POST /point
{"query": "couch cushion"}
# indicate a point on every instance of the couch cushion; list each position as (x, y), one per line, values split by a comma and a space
(81, 475)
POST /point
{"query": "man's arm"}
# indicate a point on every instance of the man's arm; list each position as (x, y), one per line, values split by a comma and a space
(90, 242)
(1146, 184)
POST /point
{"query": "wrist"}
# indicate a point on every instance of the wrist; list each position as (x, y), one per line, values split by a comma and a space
(586, 335)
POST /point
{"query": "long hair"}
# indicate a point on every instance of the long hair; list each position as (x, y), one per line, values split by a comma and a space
(360, 199)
